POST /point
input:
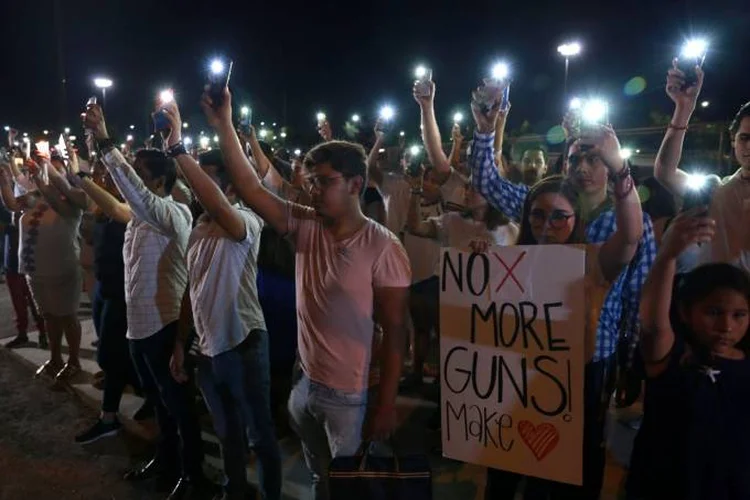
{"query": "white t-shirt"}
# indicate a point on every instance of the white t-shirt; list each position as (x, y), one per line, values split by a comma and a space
(222, 278)
(730, 208)
(456, 231)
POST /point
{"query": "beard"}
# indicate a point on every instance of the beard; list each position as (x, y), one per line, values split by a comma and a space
(530, 176)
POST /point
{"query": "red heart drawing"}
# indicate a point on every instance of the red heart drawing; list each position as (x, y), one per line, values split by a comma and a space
(540, 439)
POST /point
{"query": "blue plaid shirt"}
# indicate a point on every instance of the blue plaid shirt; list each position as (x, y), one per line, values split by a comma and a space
(620, 309)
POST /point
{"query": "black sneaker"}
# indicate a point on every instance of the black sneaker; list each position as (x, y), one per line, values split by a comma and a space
(99, 430)
(19, 341)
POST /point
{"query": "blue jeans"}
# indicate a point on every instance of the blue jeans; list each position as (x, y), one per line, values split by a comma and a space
(236, 386)
(329, 424)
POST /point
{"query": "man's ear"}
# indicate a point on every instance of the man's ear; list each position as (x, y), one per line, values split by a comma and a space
(356, 185)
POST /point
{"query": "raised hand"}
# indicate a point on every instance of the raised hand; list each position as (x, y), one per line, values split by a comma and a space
(93, 119)
(172, 112)
(683, 97)
(485, 117)
(325, 131)
(424, 92)
(687, 229)
(604, 142)
(221, 115)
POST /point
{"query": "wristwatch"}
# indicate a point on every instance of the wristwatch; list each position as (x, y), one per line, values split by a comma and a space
(177, 150)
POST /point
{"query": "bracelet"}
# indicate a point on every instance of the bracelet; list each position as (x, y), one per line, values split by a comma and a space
(177, 150)
(675, 127)
(623, 184)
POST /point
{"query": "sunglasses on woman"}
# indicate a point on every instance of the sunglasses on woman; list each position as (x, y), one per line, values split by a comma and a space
(557, 219)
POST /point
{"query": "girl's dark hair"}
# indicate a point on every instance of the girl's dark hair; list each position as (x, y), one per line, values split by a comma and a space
(706, 279)
(553, 184)
(493, 218)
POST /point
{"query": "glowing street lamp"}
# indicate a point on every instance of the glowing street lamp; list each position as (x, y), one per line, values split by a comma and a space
(568, 50)
(103, 84)
(132, 127)
(283, 135)
(401, 134)
(204, 142)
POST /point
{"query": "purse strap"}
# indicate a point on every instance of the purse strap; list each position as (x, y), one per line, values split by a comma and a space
(365, 449)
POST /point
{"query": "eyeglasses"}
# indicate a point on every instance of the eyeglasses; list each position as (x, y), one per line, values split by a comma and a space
(322, 181)
(557, 219)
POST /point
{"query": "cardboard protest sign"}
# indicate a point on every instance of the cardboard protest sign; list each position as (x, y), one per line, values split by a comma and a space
(512, 324)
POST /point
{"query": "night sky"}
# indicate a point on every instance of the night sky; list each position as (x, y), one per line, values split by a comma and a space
(292, 58)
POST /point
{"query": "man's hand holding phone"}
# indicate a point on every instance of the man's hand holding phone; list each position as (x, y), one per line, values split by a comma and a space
(218, 114)
(485, 107)
(685, 98)
(602, 141)
(171, 113)
(424, 91)
(93, 120)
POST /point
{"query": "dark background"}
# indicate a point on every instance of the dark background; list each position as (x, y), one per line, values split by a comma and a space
(293, 57)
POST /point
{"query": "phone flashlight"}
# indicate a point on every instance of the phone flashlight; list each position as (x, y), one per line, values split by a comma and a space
(423, 73)
(166, 96)
(7, 128)
(692, 55)
(204, 141)
(458, 117)
(387, 113)
(500, 71)
(700, 190)
(187, 141)
(414, 150)
(246, 119)
(321, 117)
(595, 112)
(424, 77)
(218, 79)
(297, 152)
(129, 138)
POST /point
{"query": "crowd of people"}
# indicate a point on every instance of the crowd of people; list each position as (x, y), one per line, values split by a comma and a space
(325, 266)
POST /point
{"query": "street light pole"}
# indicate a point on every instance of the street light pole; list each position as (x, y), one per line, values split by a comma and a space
(568, 50)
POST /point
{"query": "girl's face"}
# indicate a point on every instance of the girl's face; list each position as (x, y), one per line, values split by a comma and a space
(720, 320)
(552, 219)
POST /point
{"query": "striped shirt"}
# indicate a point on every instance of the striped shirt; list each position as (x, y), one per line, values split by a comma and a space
(154, 251)
(620, 310)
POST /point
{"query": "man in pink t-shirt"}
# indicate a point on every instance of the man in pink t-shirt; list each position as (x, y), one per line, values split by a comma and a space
(348, 269)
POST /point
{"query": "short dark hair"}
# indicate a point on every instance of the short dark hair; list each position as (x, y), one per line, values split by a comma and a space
(554, 184)
(347, 158)
(216, 158)
(743, 113)
(159, 165)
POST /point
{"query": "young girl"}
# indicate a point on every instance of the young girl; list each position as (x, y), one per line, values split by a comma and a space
(694, 442)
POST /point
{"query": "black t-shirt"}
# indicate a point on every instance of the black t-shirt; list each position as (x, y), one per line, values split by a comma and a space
(276, 253)
(109, 267)
(372, 195)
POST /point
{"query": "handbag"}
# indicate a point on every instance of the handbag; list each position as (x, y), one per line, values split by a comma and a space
(369, 477)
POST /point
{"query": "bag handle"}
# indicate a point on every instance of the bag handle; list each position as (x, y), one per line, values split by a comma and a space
(364, 451)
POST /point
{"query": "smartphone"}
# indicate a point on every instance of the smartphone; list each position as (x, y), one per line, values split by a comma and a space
(423, 85)
(160, 121)
(700, 196)
(505, 101)
(687, 65)
(217, 82)
(384, 126)
(91, 101)
(246, 120)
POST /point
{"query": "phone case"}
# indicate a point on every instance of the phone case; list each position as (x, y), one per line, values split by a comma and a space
(160, 121)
